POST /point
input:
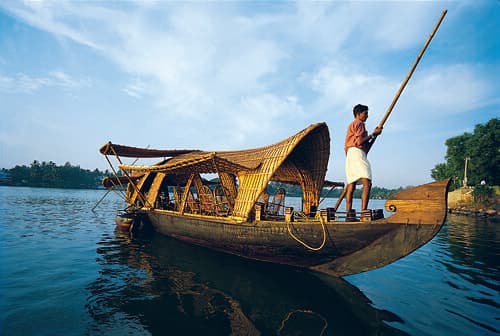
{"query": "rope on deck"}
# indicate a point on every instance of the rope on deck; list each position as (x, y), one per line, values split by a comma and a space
(304, 243)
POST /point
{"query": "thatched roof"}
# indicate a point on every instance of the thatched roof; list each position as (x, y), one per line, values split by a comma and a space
(193, 162)
(300, 159)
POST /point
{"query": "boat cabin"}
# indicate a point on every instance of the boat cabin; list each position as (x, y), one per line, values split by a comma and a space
(240, 192)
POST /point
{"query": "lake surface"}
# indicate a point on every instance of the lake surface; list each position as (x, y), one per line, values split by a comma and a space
(65, 270)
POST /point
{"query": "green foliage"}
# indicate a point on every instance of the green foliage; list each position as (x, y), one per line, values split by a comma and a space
(483, 193)
(296, 191)
(291, 190)
(382, 193)
(483, 149)
(49, 175)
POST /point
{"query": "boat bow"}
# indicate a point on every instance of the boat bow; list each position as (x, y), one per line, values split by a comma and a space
(420, 213)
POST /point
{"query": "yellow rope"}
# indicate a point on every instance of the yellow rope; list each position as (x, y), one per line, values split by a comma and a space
(305, 244)
(305, 311)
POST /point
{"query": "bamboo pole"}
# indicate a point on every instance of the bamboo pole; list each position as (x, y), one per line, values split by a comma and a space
(410, 73)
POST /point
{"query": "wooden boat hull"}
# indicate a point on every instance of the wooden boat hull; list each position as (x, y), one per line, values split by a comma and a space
(350, 248)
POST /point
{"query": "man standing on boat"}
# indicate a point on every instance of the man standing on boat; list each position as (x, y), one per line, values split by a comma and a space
(357, 167)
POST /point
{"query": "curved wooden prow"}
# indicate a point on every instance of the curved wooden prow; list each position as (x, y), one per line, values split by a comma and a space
(425, 204)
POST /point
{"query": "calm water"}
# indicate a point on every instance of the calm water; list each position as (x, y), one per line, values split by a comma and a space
(65, 271)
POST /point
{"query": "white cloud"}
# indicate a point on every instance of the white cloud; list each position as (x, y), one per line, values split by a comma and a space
(368, 27)
(258, 115)
(400, 25)
(341, 85)
(451, 89)
(202, 59)
(447, 89)
(48, 16)
(136, 88)
(23, 83)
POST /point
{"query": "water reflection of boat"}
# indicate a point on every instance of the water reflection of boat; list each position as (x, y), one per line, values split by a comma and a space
(234, 216)
(161, 285)
(124, 221)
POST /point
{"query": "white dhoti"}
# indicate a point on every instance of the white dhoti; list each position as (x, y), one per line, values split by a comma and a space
(357, 165)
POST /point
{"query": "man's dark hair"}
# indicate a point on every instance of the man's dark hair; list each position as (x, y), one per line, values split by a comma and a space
(358, 109)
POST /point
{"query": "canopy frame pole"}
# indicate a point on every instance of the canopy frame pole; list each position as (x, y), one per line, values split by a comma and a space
(328, 193)
(101, 199)
(186, 192)
(139, 193)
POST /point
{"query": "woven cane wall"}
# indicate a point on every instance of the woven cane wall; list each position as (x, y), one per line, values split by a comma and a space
(311, 159)
(308, 152)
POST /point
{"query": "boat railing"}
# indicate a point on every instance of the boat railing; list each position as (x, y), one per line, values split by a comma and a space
(330, 215)
(300, 216)
(205, 201)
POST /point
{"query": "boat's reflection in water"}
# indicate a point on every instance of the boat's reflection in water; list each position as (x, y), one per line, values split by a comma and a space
(158, 285)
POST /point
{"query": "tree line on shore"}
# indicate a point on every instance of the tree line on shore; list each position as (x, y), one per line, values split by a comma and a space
(479, 152)
(473, 160)
(49, 175)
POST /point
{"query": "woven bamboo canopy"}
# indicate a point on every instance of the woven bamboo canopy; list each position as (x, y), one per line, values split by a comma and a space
(300, 159)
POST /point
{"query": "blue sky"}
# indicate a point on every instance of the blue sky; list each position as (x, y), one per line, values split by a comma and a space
(235, 75)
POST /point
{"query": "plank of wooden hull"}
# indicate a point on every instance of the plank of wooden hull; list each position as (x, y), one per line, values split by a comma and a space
(388, 248)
